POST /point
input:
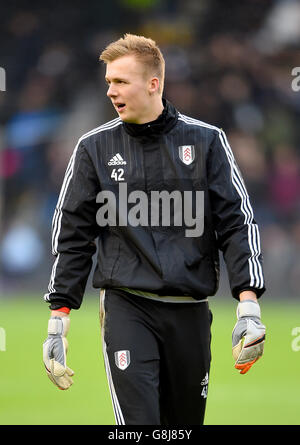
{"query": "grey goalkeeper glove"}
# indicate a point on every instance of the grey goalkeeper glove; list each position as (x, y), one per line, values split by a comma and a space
(248, 336)
(55, 349)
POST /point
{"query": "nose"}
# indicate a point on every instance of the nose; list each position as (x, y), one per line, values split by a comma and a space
(111, 92)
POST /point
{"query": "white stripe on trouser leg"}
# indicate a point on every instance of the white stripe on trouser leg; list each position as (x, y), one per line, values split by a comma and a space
(106, 361)
(115, 402)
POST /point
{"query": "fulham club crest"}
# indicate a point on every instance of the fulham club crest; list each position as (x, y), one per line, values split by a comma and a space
(187, 153)
(122, 359)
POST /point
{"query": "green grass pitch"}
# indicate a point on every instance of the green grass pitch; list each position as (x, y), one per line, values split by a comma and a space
(268, 394)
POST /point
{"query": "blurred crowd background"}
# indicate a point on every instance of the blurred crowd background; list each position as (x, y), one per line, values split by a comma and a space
(228, 63)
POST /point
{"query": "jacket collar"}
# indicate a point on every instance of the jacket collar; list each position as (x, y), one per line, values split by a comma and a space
(163, 124)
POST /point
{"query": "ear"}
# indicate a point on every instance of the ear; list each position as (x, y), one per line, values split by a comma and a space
(153, 85)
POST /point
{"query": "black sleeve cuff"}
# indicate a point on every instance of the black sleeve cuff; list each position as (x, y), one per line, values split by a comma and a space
(258, 292)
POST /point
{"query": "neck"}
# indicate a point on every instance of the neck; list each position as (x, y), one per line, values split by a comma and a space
(162, 122)
(155, 111)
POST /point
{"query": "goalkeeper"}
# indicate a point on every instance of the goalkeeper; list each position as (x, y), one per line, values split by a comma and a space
(156, 271)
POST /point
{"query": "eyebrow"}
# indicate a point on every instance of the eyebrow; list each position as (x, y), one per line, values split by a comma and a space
(114, 79)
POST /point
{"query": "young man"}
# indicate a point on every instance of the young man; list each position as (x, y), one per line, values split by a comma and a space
(162, 194)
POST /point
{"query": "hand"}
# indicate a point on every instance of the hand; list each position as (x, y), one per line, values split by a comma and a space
(248, 336)
(55, 349)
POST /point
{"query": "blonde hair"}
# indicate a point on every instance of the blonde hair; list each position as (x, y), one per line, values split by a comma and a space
(143, 48)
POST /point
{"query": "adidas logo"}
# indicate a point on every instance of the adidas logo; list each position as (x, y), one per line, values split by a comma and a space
(117, 160)
(205, 380)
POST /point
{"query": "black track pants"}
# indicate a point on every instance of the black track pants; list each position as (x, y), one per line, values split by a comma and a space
(157, 358)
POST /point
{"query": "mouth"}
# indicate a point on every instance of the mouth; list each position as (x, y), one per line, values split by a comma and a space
(120, 107)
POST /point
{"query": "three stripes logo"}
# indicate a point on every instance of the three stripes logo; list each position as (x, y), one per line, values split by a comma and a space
(117, 160)
(122, 359)
(204, 384)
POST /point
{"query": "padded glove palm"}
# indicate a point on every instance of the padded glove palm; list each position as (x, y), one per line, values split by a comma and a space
(55, 349)
(248, 336)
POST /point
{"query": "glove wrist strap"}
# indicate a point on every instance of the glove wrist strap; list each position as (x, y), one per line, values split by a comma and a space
(248, 308)
(58, 326)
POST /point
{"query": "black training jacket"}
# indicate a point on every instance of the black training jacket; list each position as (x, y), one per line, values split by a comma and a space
(177, 154)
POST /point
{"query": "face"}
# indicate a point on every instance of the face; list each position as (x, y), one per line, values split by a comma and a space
(130, 89)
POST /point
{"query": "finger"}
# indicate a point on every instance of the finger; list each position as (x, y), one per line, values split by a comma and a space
(70, 371)
(236, 350)
(244, 367)
(64, 382)
(256, 341)
(59, 375)
(51, 378)
(251, 353)
(57, 369)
